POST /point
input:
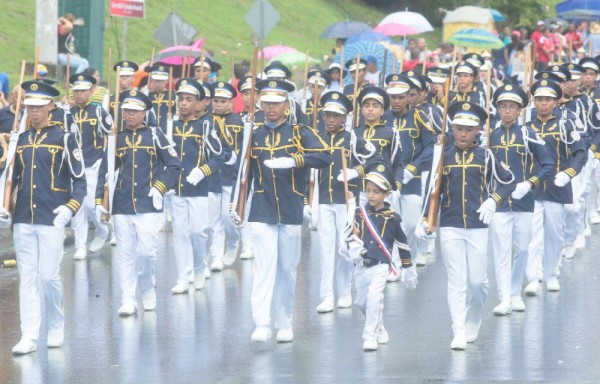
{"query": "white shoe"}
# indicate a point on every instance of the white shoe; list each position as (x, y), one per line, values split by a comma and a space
(557, 271)
(230, 257)
(98, 243)
(587, 231)
(392, 278)
(517, 304)
(345, 301)
(149, 300)
(56, 337)
(595, 219)
(180, 287)
(217, 265)
(569, 251)
(580, 241)
(553, 285)
(113, 240)
(199, 281)
(533, 288)
(24, 346)
(80, 254)
(502, 309)
(127, 309)
(472, 331)
(285, 335)
(206, 273)
(458, 343)
(325, 306)
(370, 345)
(421, 259)
(247, 254)
(261, 334)
(383, 337)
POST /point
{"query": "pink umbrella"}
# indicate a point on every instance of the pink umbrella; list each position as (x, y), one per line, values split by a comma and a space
(393, 29)
(275, 50)
(177, 54)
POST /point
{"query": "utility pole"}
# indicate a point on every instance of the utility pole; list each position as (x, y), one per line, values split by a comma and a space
(46, 34)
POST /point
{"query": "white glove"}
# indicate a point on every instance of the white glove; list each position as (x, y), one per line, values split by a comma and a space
(195, 176)
(561, 179)
(157, 198)
(4, 218)
(421, 230)
(235, 219)
(307, 212)
(355, 249)
(100, 211)
(63, 216)
(280, 163)
(521, 190)
(396, 196)
(170, 192)
(410, 277)
(350, 174)
(407, 177)
(486, 211)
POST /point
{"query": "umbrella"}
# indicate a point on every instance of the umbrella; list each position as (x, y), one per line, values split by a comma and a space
(496, 15)
(411, 19)
(469, 14)
(392, 29)
(294, 58)
(365, 48)
(176, 55)
(275, 50)
(476, 38)
(579, 9)
(564, 23)
(344, 29)
(369, 36)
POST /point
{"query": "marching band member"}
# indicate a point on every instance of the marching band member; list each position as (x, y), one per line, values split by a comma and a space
(147, 168)
(520, 148)
(159, 74)
(93, 123)
(281, 156)
(49, 180)
(467, 204)
(126, 71)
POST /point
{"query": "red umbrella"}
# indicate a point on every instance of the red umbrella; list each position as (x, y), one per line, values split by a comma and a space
(177, 54)
(393, 29)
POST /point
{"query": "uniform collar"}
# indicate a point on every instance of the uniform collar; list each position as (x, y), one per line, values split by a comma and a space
(386, 206)
(274, 126)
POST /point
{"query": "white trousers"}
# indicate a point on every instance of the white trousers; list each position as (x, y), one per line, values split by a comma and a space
(332, 221)
(246, 231)
(276, 257)
(370, 283)
(510, 235)
(230, 234)
(39, 250)
(216, 238)
(573, 224)
(547, 239)
(88, 211)
(592, 199)
(464, 252)
(137, 249)
(410, 212)
(189, 243)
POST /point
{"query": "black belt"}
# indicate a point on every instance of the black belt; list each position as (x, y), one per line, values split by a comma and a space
(368, 263)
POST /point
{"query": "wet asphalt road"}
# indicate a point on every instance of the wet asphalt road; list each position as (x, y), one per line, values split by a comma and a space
(204, 337)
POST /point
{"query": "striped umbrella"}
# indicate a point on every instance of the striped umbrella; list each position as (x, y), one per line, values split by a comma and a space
(476, 38)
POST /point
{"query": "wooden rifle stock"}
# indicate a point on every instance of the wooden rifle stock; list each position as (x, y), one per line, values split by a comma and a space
(106, 201)
(245, 164)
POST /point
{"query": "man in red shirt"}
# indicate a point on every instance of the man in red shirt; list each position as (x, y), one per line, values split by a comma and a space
(542, 56)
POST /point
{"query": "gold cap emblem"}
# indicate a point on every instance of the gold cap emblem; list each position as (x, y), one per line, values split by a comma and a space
(335, 96)
(184, 82)
(34, 87)
(544, 82)
(508, 88)
(126, 64)
(273, 84)
(466, 107)
(380, 168)
(395, 78)
(221, 84)
(80, 78)
(133, 93)
(545, 76)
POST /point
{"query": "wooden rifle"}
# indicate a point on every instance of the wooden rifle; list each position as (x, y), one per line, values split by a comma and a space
(6, 181)
(434, 196)
(111, 153)
(244, 171)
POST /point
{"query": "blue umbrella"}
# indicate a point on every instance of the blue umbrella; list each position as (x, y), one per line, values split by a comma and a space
(370, 36)
(366, 49)
(344, 29)
(496, 15)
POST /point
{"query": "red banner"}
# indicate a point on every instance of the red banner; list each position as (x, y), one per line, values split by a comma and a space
(128, 8)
